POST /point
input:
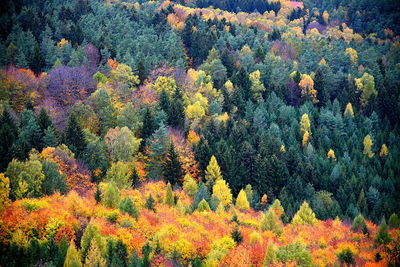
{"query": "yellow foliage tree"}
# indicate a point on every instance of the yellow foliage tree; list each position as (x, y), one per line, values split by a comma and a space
(195, 111)
(305, 124)
(384, 150)
(213, 172)
(166, 83)
(306, 137)
(72, 259)
(307, 88)
(241, 201)
(305, 215)
(366, 85)
(190, 186)
(4, 191)
(223, 192)
(256, 86)
(325, 16)
(264, 200)
(367, 146)
(331, 154)
(349, 110)
(353, 55)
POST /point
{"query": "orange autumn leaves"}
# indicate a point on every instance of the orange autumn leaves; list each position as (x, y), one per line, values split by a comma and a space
(204, 234)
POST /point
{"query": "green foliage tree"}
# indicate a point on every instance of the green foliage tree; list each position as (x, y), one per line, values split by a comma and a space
(127, 206)
(72, 258)
(383, 236)
(91, 235)
(150, 203)
(111, 196)
(203, 206)
(394, 221)
(305, 215)
(53, 179)
(270, 223)
(120, 174)
(190, 186)
(169, 198)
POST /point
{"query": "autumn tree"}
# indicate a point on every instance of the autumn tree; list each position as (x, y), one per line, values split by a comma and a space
(349, 110)
(305, 124)
(368, 146)
(122, 144)
(384, 151)
(169, 198)
(111, 196)
(120, 174)
(304, 216)
(223, 192)
(91, 235)
(241, 201)
(127, 206)
(366, 86)
(270, 223)
(94, 256)
(212, 173)
(256, 86)
(4, 191)
(307, 88)
(190, 186)
(72, 258)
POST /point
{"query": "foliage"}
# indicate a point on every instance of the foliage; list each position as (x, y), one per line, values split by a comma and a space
(304, 216)
(241, 201)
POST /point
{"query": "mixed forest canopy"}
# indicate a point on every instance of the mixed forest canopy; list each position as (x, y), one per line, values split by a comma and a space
(284, 112)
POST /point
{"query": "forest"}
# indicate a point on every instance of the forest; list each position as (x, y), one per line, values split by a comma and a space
(199, 133)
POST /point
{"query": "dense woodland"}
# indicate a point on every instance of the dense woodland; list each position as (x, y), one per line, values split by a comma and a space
(210, 133)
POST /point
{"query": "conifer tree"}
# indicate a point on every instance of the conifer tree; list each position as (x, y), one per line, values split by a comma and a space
(213, 172)
(169, 198)
(383, 236)
(203, 206)
(72, 259)
(367, 146)
(223, 192)
(49, 138)
(270, 223)
(172, 169)
(190, 186)
(270, 255)
(74, 137)
(94, 257)
(305, 215)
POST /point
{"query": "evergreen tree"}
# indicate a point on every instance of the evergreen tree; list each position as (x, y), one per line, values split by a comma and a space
(53, 179)
(383, 236)
(176, 112)
(270, 223)
(44, 120)
(74, 137)
(8, 135)
(72, 258)
(127, 206)
(49, 138)
(97, 194)
(141, 70)
(164, 102)
(319, 85)
(37, 61)
(169, 199)
(172, 168)
(150, 203)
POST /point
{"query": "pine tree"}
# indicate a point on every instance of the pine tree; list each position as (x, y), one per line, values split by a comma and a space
(97, 194)
(270, 223)
(190, 186)
(111, 196)
(74, 137)
(203, 206)
(213, 172)
(150, 203)
(94, 257)
(37, 61)
(319, 85)
(164, 101)
(270, 255)
(127, 206)
(169, 199)
(8, 135)
(44, 120)
(172, 169)
(72, 259)
(383, 236)
(176, 113)
(202, 193)
(305, 215)
(237, 235)
(49, 138)
(141, 70)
